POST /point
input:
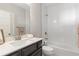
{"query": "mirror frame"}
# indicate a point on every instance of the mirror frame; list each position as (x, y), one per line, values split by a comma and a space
(2, 39)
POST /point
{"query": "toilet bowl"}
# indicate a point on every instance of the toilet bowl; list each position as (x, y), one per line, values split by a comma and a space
(48, 51)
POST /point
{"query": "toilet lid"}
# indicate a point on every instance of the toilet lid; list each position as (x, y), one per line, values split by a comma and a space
(47, 48)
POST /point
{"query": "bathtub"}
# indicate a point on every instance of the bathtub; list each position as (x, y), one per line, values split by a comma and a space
(60, 51)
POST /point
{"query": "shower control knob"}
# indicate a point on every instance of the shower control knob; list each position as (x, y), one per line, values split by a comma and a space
(46, 38)
(9, 34)
(45, 33)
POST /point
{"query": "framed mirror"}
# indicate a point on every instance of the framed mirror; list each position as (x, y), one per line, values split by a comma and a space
(2, 40)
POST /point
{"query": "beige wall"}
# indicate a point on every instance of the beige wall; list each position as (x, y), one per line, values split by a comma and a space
(28, 20)
(35, 20)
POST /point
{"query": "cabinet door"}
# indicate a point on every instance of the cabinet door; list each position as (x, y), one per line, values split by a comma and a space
(39, 44)
(29, 50)
(38, 52)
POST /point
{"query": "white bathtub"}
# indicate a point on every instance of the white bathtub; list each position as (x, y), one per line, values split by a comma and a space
(60, 51)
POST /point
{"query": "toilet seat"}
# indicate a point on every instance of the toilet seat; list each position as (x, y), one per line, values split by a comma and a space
(47, 48)
(48, 51)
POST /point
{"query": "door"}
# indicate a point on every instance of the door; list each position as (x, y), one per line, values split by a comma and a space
(44, 22)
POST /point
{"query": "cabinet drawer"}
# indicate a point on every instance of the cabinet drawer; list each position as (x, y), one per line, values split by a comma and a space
(29, 50)
(17, 53)
(38, 52)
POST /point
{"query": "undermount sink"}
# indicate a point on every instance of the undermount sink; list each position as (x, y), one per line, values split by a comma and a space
(18, 42)
(21, 42)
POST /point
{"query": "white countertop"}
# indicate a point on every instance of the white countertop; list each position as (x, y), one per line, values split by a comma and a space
(15, 45)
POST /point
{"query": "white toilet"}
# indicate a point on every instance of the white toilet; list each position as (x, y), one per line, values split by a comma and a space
(47, 51)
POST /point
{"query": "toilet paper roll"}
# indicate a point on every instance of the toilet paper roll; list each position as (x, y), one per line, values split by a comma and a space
(45, 42)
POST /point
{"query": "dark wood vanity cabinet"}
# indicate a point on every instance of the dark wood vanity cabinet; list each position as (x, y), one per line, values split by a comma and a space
(17, 53)
(38, 52)
(29, 50)
(32, 50)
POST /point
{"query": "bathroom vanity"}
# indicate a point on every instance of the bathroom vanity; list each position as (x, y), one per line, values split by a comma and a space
(32, 47)
(31, 50)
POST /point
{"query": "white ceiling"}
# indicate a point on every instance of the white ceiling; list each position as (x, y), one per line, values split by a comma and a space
(49, 4)
(27, 5)
(22, 5)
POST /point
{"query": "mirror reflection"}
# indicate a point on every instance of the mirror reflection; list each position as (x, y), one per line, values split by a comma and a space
(13, 18)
